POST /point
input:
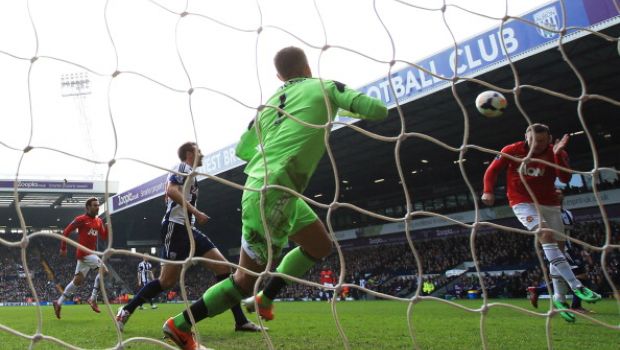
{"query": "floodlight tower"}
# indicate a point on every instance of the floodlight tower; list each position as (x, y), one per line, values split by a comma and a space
(77, 86)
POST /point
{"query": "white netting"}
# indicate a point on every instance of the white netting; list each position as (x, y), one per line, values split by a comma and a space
(187, 89)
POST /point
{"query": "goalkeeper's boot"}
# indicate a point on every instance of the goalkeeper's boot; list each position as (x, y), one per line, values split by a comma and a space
(587, 295)
(265, 311)
(532, 294)
(566, 315)
(93, 305)
(122, 316)
(184, 340)
(57, 308)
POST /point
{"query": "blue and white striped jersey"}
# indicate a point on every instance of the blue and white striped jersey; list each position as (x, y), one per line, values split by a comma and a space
(568, 218)
(144, 267)
(174, 211)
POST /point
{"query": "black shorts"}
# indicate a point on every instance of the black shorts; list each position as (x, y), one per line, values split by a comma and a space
(175, 241)
(578, 269)
(577, 265)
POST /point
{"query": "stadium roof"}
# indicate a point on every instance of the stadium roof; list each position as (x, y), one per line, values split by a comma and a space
(47, 203)
(429, 169)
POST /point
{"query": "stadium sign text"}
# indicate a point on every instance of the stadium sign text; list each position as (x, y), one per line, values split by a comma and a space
(47, 185)
(221, 160)
(490, 50)
(139, 194)
(409, 81)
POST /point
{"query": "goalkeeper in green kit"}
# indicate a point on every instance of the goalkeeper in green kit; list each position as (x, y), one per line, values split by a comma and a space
(288, 157)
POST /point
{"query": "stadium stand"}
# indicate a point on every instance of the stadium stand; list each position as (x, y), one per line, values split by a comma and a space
(508, 268)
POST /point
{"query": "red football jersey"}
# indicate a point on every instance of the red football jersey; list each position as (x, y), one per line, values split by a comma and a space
(539, 176)
(89, 229)
(327, 276)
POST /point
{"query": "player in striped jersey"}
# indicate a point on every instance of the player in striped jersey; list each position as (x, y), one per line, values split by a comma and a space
(175, 239)
(145, 275)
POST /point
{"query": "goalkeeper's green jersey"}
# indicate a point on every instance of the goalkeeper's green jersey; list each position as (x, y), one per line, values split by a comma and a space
(291, 149)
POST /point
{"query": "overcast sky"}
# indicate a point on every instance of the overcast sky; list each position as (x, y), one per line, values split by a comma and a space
(151, 120)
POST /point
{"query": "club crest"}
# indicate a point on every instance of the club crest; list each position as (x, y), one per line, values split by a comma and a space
(547, 18)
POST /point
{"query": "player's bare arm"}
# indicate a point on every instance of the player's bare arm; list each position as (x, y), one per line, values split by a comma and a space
(560, 144)
(561, 158)
(174, 192)
(488, 199)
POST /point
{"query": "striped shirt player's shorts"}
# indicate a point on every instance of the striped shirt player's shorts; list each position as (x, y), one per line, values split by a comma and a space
(175, 241)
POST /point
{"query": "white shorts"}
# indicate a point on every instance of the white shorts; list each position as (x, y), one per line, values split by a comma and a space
(551, 217)
(89, 262)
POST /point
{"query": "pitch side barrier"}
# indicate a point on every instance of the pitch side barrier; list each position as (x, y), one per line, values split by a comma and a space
(583, 205)
(475, 56)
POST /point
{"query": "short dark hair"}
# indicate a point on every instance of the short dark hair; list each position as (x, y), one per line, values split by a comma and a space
(538, 128)
(290, 62)
(186, 147)
(90, 200)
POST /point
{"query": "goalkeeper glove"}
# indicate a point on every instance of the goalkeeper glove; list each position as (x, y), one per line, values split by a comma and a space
(344, 113)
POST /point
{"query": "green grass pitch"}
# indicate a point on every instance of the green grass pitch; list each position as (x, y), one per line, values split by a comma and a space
(310, 325)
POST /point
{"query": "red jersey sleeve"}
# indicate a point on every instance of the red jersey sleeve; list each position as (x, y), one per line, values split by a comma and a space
(562, 160)
(497, 165)
(76, 223)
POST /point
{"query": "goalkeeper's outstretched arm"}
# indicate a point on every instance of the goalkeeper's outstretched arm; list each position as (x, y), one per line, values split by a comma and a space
(359, 105)
(366, 107)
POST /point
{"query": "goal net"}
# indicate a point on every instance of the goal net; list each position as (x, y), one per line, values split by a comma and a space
(110, 89)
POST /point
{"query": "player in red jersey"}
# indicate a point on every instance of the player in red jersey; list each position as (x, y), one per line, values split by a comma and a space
(327, 279)
(541, 180)
(89, 227)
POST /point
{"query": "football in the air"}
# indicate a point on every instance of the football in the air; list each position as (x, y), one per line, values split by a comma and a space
(491, 103)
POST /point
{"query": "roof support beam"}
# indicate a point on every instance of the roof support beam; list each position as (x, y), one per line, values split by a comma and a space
(20, 196)
(59, 200)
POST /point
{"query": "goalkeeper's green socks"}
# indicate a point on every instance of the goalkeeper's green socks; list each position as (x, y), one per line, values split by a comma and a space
(295, 263)
(217, 299)
(225, 294)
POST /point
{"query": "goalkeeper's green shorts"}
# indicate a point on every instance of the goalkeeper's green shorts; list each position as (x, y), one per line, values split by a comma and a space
(285, 215)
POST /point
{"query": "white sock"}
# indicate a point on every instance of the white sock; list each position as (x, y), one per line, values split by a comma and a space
(558, 260)
(559, 287)
(95, 292)
(68, 291)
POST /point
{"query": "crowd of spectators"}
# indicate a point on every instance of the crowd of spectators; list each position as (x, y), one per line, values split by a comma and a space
(13, 282)
(389, 269)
